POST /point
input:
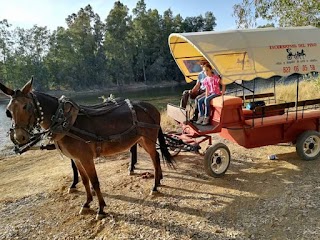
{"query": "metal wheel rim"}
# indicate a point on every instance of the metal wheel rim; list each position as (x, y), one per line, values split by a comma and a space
(174, 151)
(220, 161)
(311, 146)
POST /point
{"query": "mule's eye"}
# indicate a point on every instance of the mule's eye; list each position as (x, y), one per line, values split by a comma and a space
(27, 107)
(8, 113)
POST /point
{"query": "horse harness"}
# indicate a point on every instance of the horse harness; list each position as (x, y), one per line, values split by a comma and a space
(68, 111)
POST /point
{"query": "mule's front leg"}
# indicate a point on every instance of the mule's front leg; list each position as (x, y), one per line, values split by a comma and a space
(86, 206)
(85, 180)
(92, 174)
(101, 214)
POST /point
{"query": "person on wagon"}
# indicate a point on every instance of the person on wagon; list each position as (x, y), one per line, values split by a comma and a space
(212, 86)
(196, 92)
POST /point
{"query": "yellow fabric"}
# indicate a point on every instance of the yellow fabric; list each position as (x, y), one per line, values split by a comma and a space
(247, 54)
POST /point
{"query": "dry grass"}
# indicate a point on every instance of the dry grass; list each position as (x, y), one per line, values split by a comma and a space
(308, 89)
(167, 123)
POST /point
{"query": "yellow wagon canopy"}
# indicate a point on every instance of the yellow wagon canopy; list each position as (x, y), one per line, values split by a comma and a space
(247, 54)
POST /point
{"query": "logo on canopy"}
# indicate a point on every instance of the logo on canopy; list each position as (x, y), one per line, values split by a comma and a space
(297, 55)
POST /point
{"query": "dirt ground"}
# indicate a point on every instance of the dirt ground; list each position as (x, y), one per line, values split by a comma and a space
(256, 199)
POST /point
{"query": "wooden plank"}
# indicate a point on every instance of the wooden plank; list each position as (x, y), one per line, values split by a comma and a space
(257, 96)
(308, 102)
(177, 113)
(275, 107)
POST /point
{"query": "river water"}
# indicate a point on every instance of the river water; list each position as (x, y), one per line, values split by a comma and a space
(157, 96)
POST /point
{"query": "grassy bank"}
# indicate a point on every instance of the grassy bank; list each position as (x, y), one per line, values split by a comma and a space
(307, 90)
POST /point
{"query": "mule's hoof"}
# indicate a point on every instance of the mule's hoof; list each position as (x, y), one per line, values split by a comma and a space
(101, 216)
(154, 193)
(72, 190)
(84, 210)
(93, 192)
(131, 173)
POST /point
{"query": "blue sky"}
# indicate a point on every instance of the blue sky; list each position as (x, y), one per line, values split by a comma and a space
(52, 13)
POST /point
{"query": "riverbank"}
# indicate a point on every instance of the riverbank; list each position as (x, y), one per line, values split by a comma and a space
(108, 90)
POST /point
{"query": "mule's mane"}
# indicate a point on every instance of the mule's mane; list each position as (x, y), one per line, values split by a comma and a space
(37, 93)
(48, 103)
(45, 98)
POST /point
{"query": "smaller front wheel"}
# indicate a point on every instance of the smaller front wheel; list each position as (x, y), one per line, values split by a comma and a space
(217, 160)
(308, 145)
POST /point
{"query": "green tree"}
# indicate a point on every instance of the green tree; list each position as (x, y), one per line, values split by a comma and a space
(209, 22)
(140, 36)
(90, 53)
(268, 25)
(6, 46)
(100, 62)
(199, 23)
(118, 45)
(30, 46)
(60, 59)
(81, 32)
(39, 49)
(282, 12)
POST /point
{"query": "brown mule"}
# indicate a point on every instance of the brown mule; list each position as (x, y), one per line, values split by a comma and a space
(84, 133)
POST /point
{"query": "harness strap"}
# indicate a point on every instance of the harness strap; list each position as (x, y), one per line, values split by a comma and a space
(110, 138)
(133, 112)
(62, 125)
(37, 108)
(148, 125)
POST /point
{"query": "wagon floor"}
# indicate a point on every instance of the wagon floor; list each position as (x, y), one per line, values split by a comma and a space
(204, 129)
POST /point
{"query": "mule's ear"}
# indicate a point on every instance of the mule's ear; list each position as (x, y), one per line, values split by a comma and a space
(28, 87)
(6, 90)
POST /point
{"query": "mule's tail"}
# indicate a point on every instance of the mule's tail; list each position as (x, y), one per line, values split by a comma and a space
(164, 150)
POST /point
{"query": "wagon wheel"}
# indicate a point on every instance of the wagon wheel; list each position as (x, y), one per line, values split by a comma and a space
(217, 160)
(174, 150)
(308, 145)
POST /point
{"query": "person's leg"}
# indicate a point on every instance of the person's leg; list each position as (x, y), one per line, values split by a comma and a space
(201, 106)
(201, 109)
(207, 104)
(207, 100)
(196, 110)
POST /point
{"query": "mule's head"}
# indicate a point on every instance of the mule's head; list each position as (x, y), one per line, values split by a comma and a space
(21, 110)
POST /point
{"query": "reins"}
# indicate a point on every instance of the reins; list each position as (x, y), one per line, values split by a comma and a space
(30, 128)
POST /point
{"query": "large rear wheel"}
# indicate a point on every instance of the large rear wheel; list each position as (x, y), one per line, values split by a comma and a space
(308, 145)
(217, 160)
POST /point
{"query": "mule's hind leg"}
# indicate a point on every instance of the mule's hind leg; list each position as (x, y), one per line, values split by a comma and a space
(133, 151)
(150, 148)
(157, 171)
(75, 177)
